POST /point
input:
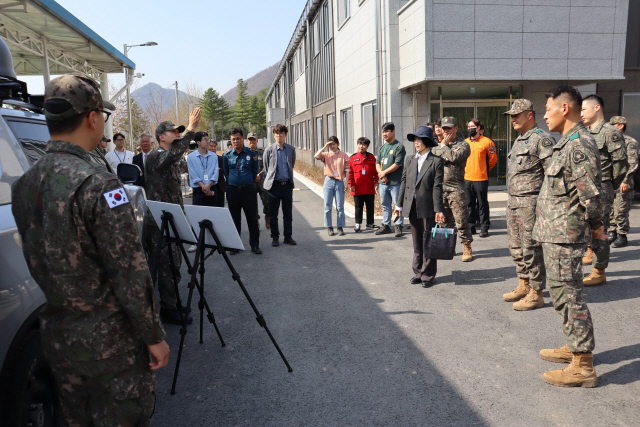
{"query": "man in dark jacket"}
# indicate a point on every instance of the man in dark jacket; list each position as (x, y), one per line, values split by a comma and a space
(140, 159)
(421, 194)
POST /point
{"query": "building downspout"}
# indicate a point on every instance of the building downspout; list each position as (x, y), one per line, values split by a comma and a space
(415, 109)
(378, 56)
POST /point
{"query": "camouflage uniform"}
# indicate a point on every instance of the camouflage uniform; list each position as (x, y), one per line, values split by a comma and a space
(264, 194)
(97, 156)
(569, 198)
(527, 161)
(613, 158)
(163, 184)
(619, 218)
(82, 247)
(455, 198)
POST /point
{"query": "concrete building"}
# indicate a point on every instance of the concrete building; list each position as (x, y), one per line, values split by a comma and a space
(352, 65)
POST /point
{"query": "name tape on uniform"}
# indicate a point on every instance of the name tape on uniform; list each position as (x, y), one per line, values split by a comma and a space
(116, 197)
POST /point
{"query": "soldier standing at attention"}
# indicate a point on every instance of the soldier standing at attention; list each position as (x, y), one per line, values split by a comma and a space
(622, 204)
(569, 199)
(162, 184)
(252, 140)
(100, 328)
(613, 158)
(527, 161)
(455, 151)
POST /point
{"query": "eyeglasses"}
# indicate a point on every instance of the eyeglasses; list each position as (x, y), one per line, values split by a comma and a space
(105, 114)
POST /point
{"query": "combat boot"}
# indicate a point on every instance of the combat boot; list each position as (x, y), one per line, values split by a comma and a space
(533, 300)
(467, 254)
(518, 293)
(587, 259)
(621, 241)
(595, 278)
(579, 373)
(559, 355)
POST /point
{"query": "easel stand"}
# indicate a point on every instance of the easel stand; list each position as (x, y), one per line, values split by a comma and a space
(198, 267)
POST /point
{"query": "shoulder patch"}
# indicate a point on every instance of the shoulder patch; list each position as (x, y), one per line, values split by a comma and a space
(616, 137)
(579, 157)
(116, 197)
(492, 149)
(255, 157)
(574, 136)
(538, 131)
(546, 142)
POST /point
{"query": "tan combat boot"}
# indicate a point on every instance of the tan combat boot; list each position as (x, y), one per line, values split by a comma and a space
(587, 259)
(518, 293)
(559, 355)
(267, 222)
(595, 278)
(533, 300)
(467, 254)
(579, 373)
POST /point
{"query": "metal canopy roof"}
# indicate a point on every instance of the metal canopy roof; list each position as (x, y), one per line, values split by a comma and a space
(32, 27)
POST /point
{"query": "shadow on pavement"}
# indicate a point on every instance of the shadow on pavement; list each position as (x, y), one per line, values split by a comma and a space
(353, 365)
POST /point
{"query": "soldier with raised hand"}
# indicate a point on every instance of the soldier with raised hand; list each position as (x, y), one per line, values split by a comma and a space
(613, 159)
(100, 328)
(455, 151)
(162, 184)
(569, 200)
(526, 163)
(619, 218)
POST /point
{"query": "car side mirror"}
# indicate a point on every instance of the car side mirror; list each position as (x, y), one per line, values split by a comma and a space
(128, 173)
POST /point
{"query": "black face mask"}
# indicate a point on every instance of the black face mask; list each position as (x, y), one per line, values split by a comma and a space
(473, 132)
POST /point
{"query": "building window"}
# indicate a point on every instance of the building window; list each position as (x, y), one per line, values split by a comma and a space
(331, 124)
(370, 123)
(319, 139)
(328, 22)
(343, 11)
(301, 58)
(317, 36)
(310, 135)
(631, 111)
(346, 122)
(304, 135)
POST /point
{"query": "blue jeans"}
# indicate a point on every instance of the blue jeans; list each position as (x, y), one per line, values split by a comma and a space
(333, 188)
(388, 199)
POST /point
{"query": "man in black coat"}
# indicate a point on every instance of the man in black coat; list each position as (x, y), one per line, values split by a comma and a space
(140, 159)
(421, 195)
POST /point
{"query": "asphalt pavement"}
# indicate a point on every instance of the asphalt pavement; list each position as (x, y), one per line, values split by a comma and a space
(369, 349)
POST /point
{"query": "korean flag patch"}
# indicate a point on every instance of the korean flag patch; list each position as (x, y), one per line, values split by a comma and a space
(116, 197)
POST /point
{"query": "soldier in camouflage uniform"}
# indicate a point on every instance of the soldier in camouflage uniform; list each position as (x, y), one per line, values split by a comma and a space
(252, 139)
(455, 151)
(622, 204)
(80, 240)
(97, 155)
(569, 199)
(163, 184)
(613, 158)
(527, 161)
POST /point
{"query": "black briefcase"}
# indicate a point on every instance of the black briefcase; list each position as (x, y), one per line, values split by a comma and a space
(440, 242)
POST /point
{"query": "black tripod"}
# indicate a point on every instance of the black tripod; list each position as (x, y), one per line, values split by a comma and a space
(198, 263)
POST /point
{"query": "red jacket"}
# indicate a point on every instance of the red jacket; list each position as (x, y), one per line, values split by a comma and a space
(362, 183)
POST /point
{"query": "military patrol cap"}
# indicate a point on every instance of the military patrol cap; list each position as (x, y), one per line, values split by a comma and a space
(618, 120)
(252, 135)
(167, 125)
(82, 94)
(104, 138)
(448, 122)
(520, 105)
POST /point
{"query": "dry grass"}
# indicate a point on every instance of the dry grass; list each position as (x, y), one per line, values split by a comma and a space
(316, 174)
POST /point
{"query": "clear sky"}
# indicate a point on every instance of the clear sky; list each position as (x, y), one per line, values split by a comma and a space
(211, 43)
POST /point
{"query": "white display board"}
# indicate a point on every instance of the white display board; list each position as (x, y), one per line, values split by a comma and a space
(223, 225)
(180, 221)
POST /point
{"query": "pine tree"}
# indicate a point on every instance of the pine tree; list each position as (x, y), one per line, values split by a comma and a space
(242, 107)
(214, 109)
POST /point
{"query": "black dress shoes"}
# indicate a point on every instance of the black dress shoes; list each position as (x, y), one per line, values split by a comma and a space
(275, 242)
(415, 281)
(427, 283)
(173, 316)
(289, 241)
(256, 250)
(484, 233)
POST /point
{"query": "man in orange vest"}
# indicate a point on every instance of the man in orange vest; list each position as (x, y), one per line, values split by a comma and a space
(476, 179)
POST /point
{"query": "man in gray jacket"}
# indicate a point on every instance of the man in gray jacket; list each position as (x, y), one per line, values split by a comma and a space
(279, 161)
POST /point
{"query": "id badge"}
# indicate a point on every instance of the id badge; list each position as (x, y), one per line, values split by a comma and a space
(364, 171)
(206, 178)
(336, 173)
(386, 160)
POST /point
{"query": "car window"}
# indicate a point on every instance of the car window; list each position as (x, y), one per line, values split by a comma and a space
(11, 167)
(32, 135)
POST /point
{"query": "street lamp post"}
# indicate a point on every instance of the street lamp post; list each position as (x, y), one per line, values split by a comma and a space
(127, 78)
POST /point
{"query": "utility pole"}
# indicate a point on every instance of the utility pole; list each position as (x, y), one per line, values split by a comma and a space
(177, 114)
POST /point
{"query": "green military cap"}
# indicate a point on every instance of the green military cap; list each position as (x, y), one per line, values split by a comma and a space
(252, 135)
(520, 105)
(82, 94)
(618, 120)
(448, 122)
(167, 125)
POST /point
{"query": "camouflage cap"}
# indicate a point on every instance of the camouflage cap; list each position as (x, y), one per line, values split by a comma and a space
(448, 122)
(520, 105)
(252, 135)
(104, 138)
(618, 120)
(82, 93)
(167, 125)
